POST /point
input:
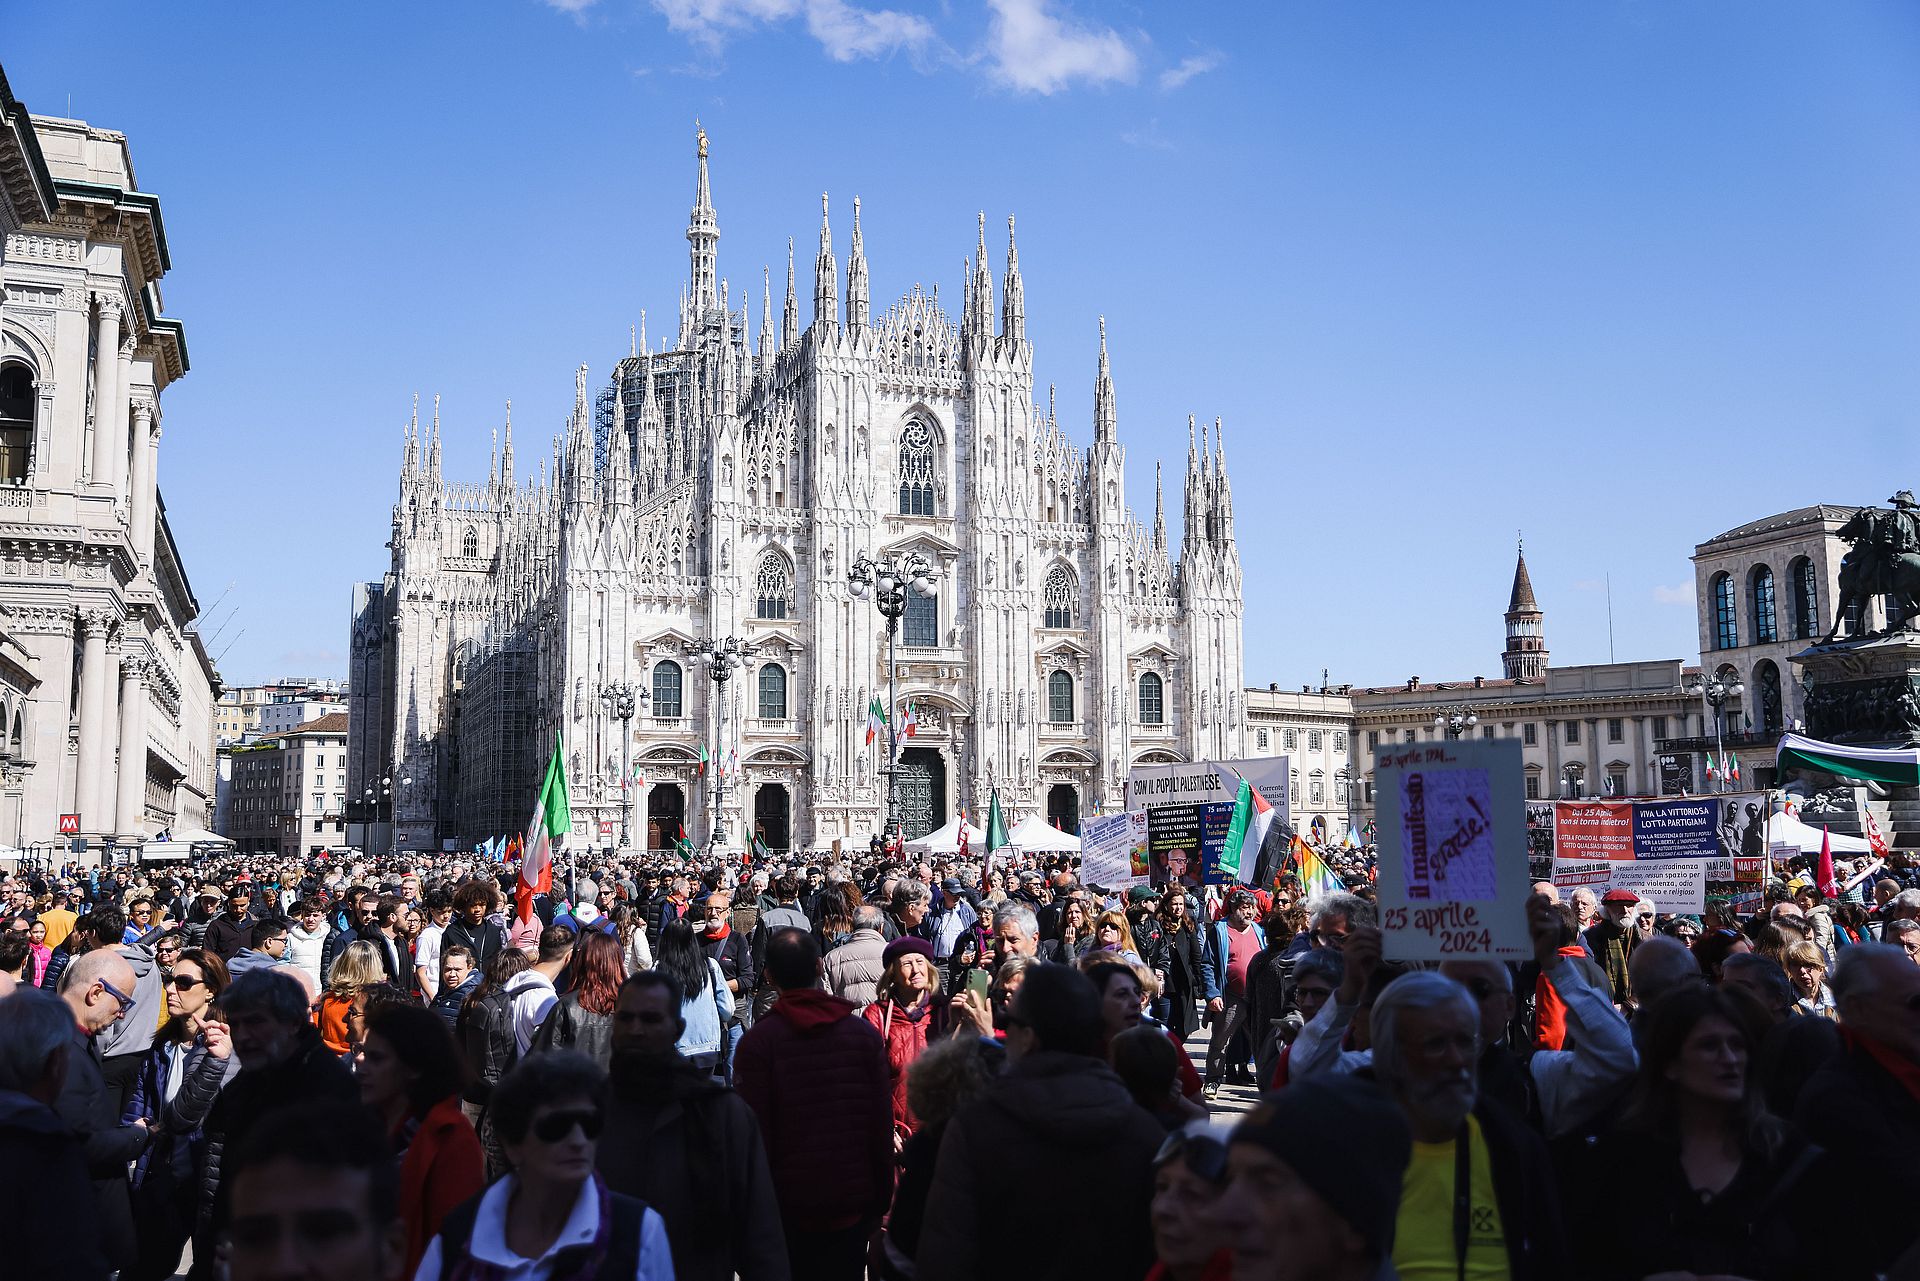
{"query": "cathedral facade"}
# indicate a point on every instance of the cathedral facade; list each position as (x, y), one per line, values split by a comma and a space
(722, 485)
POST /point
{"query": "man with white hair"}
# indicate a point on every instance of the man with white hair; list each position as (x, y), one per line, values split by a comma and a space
(1426, 1043)
(1863, 1106)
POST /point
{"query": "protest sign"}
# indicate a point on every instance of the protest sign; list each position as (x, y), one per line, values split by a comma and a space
(1572, 873)
(1453, 850)
(1106, 852)
(1188, 808)
(1673, 884)
(1173, 844)
(1215, 818)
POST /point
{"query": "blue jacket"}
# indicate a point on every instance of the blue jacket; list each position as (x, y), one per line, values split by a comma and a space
(705, 1012)
(1214, 957)
(178, 1140)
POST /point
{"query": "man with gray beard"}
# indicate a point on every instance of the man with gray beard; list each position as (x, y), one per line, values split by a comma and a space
(1479, 1195)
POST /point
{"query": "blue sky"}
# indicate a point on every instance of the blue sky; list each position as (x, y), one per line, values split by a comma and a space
(1615, 272)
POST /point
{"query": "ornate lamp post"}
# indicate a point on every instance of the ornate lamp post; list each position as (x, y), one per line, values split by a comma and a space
(620, 699)
(723, 658)
(1716, 691)
(1457, 723)
(888, 582)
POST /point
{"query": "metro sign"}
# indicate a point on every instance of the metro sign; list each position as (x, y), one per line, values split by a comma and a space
(69, 825)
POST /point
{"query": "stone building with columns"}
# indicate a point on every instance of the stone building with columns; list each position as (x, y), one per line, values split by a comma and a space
(117, 724)
(722, 485)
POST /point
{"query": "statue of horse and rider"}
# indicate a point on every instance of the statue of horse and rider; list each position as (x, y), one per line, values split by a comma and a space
(1884, 561)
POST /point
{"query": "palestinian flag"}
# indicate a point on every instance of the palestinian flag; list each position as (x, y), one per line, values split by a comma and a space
(551, 818)
(1897, 766)
(682, 845)
(759, 847)
(876, 719)
(1246, 832)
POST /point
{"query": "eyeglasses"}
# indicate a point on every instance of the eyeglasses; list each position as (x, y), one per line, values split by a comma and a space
(1203, 1154)
(555, 1126)
(184, 982)
(114, 992)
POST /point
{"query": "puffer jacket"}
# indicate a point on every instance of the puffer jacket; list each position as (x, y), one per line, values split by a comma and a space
(906, 1036)
(852, 971)
(569, 1026)
(179, 1139)
(485, 1032)
(816, 1077)
(1046, 1104)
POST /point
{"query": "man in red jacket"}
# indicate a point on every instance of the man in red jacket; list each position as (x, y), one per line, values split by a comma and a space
(816, 1076)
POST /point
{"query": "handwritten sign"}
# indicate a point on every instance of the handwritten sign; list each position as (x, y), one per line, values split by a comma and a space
(1453, 850)
(1106, 852)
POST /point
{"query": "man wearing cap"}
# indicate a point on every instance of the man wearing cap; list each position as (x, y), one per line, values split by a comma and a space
(954, 917)
(1611, 940)
(1313, 1181)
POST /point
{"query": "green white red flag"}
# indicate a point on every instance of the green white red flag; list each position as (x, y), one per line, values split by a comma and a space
(551, 818)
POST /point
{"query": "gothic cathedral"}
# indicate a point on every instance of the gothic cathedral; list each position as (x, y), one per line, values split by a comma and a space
(723, 485)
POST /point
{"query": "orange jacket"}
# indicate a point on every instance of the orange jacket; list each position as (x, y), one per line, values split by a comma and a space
(442, 1168)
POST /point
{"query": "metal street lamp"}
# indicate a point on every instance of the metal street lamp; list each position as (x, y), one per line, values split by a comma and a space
(1717, 691)
(621, 699)
(888, 582)
(1457, 723)
(723, 658)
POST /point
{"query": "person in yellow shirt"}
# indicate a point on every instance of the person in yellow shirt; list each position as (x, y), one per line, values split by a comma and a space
(1478, 1200)
(58, 919)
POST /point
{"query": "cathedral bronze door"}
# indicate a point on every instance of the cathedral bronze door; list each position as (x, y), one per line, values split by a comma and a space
(923, 791)
(1063, 808)
(666, 811)
(773, 817)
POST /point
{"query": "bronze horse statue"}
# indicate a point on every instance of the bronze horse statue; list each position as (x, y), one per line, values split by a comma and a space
(1884, 560)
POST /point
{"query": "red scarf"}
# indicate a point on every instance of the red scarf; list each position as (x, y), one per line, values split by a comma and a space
(1903, 1070)
(1549, 1011)
(726, 928)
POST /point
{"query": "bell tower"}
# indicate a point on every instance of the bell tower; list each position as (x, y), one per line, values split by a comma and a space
(1525, 657)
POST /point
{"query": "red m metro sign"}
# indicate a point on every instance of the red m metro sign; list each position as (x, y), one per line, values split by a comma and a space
(69, 825)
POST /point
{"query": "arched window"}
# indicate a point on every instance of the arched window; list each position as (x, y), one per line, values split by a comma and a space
(1060, 597)
(1806, 599)
(470, 544)
(773, 587)
(916, 470)
(773, 692)
(1060, 698)
(16, 423)
(921, 625)
(1726, 617)
(666, 689)
(1767, 676)
(1766, 628)
(1152, 700)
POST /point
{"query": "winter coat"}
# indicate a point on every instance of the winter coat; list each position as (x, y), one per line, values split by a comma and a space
(1186, 967)
(1047, 1104)
(178, 1142)
(442, 1168)
(569, 1026)
(816, 1077)
(906, 1037)
(734, 955)
(226, 937)
(1152, 942)
(90, 1108)
(706, 1013)
(486, 941)
(485, 1033)
(779, 918)
(690, 1148)
(447, 1002)
(337, 942)
(1857, 1109)
(56, 966)
(46, 1203)
(852, 971)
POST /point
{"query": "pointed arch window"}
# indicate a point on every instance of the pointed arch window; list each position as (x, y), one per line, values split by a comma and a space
(1060, 699)
(666, 690)
(1152, 699)
(1766, 627)
(773, 692)
(1060, 597)
(916, 470)
(470, 544)
(773, 588)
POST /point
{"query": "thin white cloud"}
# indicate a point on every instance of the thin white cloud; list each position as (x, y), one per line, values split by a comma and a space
(575, 7)
(1681, 595)
(1148, 138)
(1035, 50)
(845, 31)
(1197, 65)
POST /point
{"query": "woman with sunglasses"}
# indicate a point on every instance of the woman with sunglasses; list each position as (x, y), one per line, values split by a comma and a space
(552, 1208)
(409, 1072)
(175, 1088)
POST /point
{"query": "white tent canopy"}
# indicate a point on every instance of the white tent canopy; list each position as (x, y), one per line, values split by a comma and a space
(1035, 833)
(198, 836)
(946, 840)
(1785, 829)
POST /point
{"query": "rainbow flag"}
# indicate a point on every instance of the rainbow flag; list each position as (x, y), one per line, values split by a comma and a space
(1316, 878)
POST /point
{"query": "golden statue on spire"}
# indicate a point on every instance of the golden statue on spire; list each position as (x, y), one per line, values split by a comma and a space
(700, 135)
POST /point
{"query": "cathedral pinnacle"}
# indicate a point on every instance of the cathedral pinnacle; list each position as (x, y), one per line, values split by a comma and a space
(506, 451)
(826, 275)
(413, 435)
(1105, 418)
(433, 452)
(766, 319)
(703, 232)
(980, 302)
(1013, 294)
(1159, 511)
(857, 291)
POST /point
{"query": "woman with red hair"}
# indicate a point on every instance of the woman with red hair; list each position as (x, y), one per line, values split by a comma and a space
(583, 1019)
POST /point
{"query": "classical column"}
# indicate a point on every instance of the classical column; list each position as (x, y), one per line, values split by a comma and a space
(131, 801)
(141, 489)
(109, 427)
(93, 785)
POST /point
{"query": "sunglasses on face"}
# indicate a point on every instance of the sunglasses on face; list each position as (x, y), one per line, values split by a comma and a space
(555, 1126)
(1204, 1155)
(185, 982)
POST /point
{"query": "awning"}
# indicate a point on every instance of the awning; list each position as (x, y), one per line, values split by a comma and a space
(946, 840)
(1898, 766)
(1036, 835)
(1785, 829)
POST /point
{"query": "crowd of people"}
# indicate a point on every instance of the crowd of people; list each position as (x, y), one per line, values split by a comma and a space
(899, 1068)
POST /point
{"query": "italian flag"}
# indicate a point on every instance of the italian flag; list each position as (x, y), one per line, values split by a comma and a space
(911, 723)
(1711, 771)
(551, 818)
(704, 759)
(876, 719)
(1246, 832)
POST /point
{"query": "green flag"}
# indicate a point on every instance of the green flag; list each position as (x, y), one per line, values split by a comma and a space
(996, 824)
